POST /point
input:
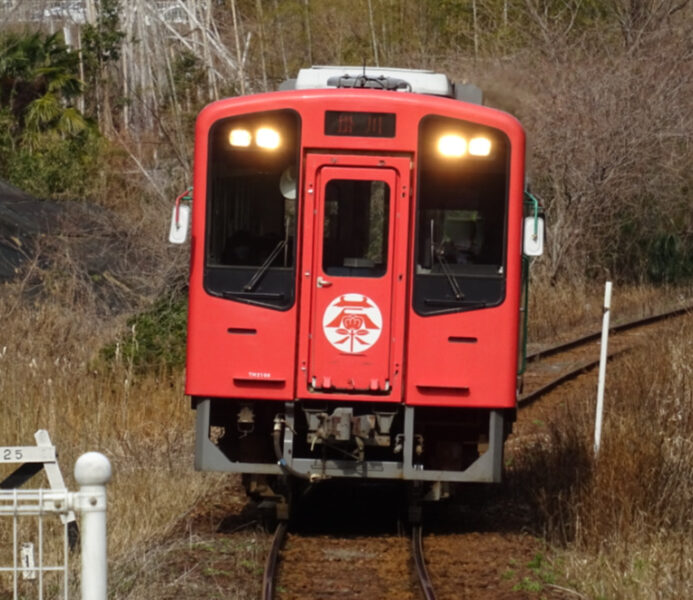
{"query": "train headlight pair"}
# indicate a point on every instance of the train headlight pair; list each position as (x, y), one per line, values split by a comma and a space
(265, 137)
(452, 145)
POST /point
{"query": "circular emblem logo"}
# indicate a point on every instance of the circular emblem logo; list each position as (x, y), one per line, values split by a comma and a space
(352, 323)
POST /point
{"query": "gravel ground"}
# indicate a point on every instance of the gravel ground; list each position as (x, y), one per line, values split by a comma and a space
(475, 565)
(354, 546)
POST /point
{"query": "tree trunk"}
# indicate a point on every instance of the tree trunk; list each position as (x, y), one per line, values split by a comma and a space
(309, 41)
(476, 31)
(237, 39)
(373, 38)
(261, 31)
(282, 48)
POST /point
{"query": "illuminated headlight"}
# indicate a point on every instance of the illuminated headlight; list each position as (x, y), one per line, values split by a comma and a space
(267, 138)
(452, 146)
(480, 146)
(239, 137)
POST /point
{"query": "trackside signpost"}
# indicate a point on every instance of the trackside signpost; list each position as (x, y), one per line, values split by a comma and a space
(602, 369)
(27, 454)
(32, 459)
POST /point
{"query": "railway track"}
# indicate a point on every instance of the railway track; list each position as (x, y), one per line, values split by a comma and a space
(270, 574)
(371, 554)
(553, 365)
(420, 563)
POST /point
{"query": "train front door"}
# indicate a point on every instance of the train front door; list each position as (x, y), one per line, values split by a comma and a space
(354, 257)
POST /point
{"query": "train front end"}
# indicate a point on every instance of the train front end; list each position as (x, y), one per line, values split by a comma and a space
(355, 281)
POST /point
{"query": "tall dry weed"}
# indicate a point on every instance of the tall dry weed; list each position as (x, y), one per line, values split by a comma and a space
(624, 517)
(49, 379)
(609, 126)
(562, 310)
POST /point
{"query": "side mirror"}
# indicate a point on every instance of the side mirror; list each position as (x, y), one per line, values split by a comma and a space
(180, 220)
(533, 238)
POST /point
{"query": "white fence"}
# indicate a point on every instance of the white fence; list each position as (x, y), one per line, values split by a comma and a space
(35, 536)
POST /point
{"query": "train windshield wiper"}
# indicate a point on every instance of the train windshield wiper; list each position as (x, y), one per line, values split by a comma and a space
(453, 302)
(255, 279)
(452, 280)
(439, 255)
(231, 294)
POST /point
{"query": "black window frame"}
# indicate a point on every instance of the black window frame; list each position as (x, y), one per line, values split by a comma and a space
(424, 302)
(377, 270)
(276, 289)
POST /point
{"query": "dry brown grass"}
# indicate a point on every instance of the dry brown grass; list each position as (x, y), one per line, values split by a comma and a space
(623, 523)
(572, 307)
(199, 566)
(143, 423)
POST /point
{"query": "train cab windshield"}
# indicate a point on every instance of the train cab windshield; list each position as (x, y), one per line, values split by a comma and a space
(251, 218)
(461, 216)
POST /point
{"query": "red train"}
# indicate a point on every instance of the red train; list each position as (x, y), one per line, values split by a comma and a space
(356, 279)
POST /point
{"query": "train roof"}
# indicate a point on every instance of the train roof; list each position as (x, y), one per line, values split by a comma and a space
(401, 80)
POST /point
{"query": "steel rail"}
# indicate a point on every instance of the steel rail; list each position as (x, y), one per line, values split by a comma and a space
(420, 563)
(585, 366)
(269, 575)
(529, 397)
(595, 335)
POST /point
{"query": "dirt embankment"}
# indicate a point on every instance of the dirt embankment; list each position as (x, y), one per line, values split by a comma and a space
(23, 219)
(114, 261)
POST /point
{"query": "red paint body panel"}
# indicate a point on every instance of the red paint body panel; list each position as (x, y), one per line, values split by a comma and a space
(480, 373)
(274, 354)
(258, 363)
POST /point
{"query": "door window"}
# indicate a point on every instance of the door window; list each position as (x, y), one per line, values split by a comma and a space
(356, 228)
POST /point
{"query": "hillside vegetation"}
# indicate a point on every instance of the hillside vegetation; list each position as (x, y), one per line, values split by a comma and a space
(603, 89)
(91, 349)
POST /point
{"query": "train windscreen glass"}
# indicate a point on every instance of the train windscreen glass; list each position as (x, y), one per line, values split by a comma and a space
(356, 228)
(251, 208)
(461, 216)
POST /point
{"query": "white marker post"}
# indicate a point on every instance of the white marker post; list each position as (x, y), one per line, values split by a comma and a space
(602, 369)
(92, 472)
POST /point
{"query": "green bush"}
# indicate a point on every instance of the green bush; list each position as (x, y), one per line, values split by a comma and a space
(670, 259)
(56, 168)
(155, 338)
(47, 146)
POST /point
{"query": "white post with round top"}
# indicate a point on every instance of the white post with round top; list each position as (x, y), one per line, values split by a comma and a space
(92, 472)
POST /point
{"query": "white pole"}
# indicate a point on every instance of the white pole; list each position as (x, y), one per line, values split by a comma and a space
(602, 369)
(92, 472)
